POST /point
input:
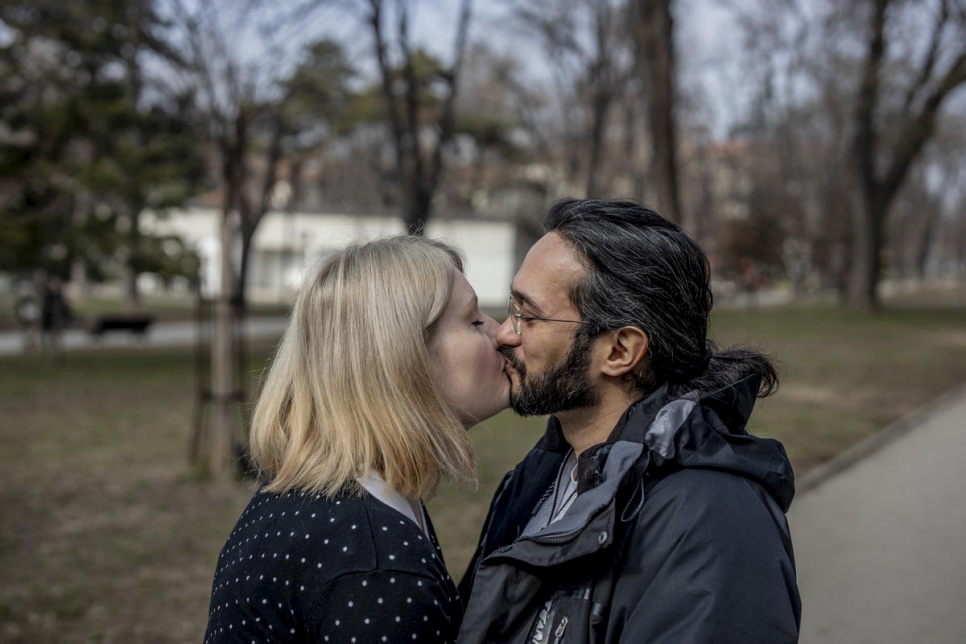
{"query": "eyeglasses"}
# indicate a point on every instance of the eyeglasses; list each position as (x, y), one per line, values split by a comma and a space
(513, 311)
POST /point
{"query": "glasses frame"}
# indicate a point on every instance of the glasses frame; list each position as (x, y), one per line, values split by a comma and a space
(514, 313)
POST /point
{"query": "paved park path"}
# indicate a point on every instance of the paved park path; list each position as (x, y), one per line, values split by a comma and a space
(160, 334)
(880, 535)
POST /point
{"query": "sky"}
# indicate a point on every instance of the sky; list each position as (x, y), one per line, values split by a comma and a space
(708, 46)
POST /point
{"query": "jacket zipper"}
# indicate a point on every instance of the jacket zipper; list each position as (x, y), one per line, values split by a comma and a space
(564, 538)
(558, 634)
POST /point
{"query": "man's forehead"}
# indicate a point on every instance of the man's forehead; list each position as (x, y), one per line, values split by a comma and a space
(548, 273)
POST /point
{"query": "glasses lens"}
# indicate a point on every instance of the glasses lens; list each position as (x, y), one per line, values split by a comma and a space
(512, 312)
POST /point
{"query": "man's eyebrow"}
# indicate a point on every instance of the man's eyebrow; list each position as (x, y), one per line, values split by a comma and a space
(525, 299)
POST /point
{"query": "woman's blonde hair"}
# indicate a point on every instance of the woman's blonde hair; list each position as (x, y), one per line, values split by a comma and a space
(351, 386)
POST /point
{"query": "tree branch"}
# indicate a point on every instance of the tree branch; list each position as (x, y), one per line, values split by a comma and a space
(395, 123)
(448, 116)
(865, 141)
(411, 136)
(918, 129)
(929, 63)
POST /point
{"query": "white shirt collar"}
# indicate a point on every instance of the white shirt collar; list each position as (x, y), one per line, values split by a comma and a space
(376, 486)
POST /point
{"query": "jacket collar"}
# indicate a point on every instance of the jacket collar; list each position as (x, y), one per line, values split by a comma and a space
(694, 431)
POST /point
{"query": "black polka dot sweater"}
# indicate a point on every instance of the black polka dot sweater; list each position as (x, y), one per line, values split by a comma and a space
(303, 568)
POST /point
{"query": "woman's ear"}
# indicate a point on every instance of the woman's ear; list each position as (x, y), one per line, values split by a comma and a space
(625, 349)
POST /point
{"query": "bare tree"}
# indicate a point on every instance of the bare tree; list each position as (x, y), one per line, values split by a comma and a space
(857, 88)
(233, 90)
(419, 166)
(292, 125)
(587, 53)
(881, 163)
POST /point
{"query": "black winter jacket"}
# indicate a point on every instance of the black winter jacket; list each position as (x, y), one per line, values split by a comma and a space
(678, 535)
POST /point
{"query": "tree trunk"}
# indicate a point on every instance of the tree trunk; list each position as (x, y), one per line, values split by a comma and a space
(602, 88)
(868, 225)
(865, 191)
(33, 328)
(654, 41)
(241, 284)
(417, 210)
(132, 294)
(601, 105)
(252, 217)
(879, 188)
(78, 267)
(222, 462)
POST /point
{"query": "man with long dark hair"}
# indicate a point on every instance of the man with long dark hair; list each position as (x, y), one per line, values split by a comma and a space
(646, 513)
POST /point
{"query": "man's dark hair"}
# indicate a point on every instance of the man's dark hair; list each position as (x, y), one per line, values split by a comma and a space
(645, 271)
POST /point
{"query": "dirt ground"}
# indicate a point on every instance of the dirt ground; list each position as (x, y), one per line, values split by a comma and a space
(105, 536)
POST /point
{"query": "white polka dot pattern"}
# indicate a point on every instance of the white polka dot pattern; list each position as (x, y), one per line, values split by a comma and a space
(302, 568)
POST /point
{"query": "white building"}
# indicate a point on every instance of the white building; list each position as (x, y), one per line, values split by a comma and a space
(285, 242)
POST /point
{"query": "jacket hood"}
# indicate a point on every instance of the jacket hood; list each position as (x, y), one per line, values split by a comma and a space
(707, 431)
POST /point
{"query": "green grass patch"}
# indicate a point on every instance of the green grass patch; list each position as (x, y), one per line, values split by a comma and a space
(106, 534)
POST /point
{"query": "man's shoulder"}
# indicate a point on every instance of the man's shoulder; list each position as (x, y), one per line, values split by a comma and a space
(699, 481)
(705, 523)
(709, 500)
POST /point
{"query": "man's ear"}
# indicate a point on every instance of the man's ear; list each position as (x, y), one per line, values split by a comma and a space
(624, 350)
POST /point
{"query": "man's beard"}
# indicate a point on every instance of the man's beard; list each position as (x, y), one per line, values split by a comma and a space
(563, 387)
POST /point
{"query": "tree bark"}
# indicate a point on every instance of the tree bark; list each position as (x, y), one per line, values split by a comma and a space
(868, 223)
(926, 239)
(132, 293)
(655, 58)
(602, 88)
(223, 464)
(600, 108)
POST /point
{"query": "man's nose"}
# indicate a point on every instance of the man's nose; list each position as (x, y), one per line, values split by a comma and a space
(506, 335)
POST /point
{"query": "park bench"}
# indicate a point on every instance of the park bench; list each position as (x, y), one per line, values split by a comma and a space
(137, 324)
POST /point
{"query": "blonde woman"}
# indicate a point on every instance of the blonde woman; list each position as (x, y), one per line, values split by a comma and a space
(386, 363)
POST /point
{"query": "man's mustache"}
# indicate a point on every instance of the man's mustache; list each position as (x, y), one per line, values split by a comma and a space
(512, 359)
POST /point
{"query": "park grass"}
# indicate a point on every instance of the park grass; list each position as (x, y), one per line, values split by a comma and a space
(107, 536)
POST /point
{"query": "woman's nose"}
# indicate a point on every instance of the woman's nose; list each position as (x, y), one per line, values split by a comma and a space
(491, 327)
